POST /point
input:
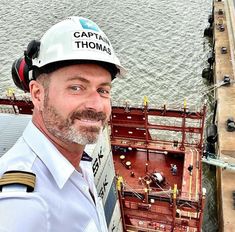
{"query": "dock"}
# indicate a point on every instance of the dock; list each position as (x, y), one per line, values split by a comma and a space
(224, 71)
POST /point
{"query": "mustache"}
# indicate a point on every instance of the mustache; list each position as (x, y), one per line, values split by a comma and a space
(89, 115)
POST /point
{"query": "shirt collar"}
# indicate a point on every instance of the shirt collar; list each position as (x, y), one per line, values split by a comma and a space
(60, 168)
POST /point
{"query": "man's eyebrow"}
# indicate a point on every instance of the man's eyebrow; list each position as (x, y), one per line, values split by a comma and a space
(106, 84)
(74, 78)
(82, 79)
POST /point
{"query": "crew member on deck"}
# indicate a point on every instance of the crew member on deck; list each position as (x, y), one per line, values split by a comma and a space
(174, 169)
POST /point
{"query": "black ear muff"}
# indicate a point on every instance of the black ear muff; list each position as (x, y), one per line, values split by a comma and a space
(20, 74)
(20, 70)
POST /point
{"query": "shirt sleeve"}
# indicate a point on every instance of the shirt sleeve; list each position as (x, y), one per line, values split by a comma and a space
(23, 212)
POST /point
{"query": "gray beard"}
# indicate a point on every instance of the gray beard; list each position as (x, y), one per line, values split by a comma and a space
(73, 136)
(65, 130)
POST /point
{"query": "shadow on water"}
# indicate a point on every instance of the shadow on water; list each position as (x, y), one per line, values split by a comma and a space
(210, 222)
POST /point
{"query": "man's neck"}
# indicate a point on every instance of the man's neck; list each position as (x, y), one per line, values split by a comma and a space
(71, 151)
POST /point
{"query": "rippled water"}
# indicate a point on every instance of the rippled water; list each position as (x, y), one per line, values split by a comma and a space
(160, 42)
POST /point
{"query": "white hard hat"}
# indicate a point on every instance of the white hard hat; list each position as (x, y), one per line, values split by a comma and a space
(76, 38)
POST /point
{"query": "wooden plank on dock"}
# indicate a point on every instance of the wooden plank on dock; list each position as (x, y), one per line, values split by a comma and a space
(225, 95)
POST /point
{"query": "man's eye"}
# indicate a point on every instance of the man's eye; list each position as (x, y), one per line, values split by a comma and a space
(75, 88)
(104, 92)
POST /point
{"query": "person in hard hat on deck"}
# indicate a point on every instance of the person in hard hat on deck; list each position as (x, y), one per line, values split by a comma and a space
(47, 183)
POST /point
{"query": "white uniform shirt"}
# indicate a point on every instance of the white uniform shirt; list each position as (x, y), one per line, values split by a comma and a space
(61, 200)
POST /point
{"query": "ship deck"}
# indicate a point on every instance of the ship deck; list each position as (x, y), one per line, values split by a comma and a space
(152, 196)
(160, 214)
(187, 184)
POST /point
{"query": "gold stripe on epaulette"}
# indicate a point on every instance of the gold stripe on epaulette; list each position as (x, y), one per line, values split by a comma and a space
(27, 179)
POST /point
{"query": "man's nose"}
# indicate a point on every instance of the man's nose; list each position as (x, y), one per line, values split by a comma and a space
(94, 101)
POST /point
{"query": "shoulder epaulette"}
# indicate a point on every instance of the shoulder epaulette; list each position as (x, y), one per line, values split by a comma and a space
(24, 178)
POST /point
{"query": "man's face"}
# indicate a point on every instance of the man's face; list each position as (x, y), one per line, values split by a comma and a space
(77, 103)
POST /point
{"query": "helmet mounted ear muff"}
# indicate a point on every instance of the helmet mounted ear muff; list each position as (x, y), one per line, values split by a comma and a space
(20, 74)
(22, 70)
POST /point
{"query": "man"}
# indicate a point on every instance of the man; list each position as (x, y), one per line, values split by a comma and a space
(46, 179)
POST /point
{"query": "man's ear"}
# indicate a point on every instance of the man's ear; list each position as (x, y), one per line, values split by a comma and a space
(37, 94)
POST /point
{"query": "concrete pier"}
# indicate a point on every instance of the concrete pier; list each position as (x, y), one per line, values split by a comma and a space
(224, 37)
